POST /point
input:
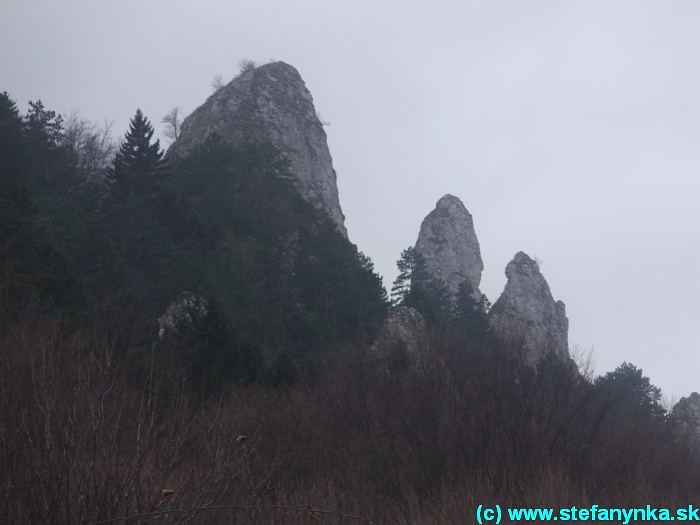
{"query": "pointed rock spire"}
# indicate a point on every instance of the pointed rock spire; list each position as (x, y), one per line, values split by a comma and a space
(271, 104)
(527, 313)
(447, 241)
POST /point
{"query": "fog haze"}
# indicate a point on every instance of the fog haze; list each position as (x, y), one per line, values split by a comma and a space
(571, 130)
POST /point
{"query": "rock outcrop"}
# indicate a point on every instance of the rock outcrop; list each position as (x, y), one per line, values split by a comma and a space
(685, 418)
(271, 104)
(182, 315)
(404, 329)
(527, 314)
(448, 244)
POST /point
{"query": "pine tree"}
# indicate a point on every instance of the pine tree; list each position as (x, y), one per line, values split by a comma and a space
(416, 288)
(470, 313)
(411, 267)
(44, 127)
(13, 152)
(138, 165)
(432, 299)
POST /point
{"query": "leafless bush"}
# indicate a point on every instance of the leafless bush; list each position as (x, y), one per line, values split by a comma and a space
(91, 144)
(246, 65)
(217, 83)
(584, 361)
(93, 432)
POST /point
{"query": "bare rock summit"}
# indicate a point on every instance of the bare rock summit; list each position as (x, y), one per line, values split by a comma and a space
(447, 241)
(527, 314)
(271, 104)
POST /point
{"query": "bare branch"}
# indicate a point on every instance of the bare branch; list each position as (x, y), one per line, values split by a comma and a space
(172, 121)
(246, 508)
(217, 83)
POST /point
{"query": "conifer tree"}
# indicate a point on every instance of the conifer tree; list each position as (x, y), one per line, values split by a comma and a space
(470, 313)
(44, 127)
(411, 267)
(416, 288)
(138, 165)
(13, 155)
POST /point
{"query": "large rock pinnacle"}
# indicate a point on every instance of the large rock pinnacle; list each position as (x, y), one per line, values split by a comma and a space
(526, 312)
(271, 104)
(447, 241)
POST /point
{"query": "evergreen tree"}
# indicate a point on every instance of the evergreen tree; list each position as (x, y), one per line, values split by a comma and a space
(432, 299)
(44, 127)
(138, 165)
(215, 355)
(470, 313)
(342, 297)
(416, 288)
(34, 273)
(13, 154)
(411, 267)
(631, 393)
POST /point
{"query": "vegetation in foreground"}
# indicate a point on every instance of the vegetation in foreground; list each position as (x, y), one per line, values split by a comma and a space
(84, 439)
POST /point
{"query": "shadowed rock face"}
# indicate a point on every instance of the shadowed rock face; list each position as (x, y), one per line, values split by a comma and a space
(685, 417)
(526, 312)
(271, 104)
(404, 329)
(447, 241)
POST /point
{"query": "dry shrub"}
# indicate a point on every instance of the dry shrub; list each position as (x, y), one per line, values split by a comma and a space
(92, 430)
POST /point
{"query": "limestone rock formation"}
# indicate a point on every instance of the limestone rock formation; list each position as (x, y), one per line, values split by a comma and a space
(404, 329)
(271, 104)
(526, 312)
(182, 314)
(685, 417)
(447, 241)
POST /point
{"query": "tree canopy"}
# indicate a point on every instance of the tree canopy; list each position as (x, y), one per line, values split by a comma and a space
(138, 165)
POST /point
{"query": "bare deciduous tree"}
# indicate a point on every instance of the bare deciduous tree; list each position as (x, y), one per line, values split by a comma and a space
(246, 64)
(217, 83)
(172, 121)
(91, 144)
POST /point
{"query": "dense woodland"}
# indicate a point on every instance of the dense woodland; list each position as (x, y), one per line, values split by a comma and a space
(272, 407)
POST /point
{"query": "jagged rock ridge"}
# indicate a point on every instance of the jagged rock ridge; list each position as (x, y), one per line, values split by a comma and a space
(527, 313)
(271, 104)
(447, 241)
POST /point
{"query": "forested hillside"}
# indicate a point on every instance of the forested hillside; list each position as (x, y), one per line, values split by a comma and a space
(224, 223)
(187, 339)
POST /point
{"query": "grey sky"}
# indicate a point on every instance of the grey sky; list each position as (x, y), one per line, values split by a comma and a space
(571, 130)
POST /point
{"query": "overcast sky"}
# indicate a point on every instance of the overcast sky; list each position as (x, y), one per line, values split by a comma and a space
(570, 129)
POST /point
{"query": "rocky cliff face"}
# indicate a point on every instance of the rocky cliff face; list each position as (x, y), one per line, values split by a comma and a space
(271, 104)
(404, 329)
(685, 417)
(527, 313)
(447, 241)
